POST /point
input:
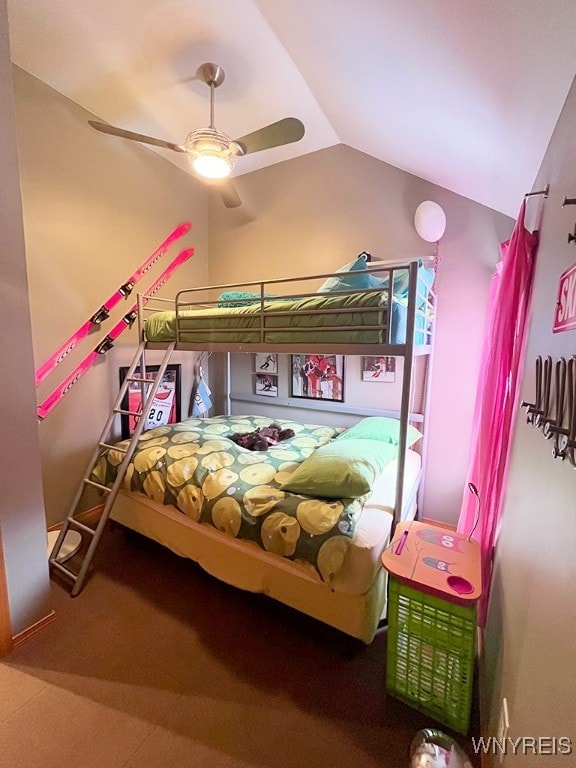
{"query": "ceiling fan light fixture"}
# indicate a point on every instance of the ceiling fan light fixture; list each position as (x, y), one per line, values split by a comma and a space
(211, 153)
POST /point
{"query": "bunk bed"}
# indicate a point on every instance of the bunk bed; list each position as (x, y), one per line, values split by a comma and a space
(250, 518)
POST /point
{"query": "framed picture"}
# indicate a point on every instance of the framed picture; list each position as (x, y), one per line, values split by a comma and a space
(318, 377)
(266, 385)
(165, 407)
(379, 369)
(266, 363)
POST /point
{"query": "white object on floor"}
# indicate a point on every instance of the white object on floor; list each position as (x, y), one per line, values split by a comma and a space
(431, 748)
(70, 545)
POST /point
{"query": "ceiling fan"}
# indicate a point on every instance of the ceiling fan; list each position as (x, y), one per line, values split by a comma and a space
(211, 153)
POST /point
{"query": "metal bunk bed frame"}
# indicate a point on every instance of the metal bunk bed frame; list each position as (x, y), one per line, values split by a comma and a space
(206, 299)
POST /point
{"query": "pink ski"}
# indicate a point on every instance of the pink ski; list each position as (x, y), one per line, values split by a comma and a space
(108, 341)
(101, 314)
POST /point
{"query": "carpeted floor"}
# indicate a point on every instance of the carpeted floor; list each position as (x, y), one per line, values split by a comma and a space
(158, 665)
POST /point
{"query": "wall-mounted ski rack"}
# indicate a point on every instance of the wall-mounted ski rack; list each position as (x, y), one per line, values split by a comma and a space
(554, 406)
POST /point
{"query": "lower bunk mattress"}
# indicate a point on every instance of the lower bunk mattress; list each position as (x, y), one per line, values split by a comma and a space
(355, 599)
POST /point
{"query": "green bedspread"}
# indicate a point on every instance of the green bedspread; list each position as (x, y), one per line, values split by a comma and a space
(316, 319)
(196, 468)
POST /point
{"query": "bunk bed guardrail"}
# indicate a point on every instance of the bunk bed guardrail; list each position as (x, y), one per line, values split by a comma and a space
(288, 314)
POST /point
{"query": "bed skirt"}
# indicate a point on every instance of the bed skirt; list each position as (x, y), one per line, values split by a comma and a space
(244, 565)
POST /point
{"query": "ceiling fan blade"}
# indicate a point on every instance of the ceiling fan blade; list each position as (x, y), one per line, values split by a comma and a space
(230, 197)
(105, 128)
(275, 135)
(226, 190)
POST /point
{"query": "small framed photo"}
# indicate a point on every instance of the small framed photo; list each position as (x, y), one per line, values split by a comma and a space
(379, 369)
(318, 377)
(266, 363)
(266, 385)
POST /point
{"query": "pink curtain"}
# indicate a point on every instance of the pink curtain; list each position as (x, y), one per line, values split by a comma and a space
(496, 396)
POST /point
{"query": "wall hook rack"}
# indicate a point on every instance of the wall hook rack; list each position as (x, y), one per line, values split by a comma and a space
(554, 408)
(535, 410)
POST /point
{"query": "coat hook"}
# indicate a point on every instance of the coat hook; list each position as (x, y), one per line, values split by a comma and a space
(543, 192)
(569, 201)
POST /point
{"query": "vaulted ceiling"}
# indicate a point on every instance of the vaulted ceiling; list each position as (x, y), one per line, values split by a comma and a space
(463, 93)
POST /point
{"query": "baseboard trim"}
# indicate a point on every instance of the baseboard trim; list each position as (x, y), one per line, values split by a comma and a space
(6, 643)
(87, 516)
(26, 634)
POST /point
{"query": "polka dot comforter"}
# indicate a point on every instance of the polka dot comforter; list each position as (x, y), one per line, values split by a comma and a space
(195, 467)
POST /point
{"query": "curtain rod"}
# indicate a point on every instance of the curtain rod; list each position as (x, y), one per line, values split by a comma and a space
(541, 192)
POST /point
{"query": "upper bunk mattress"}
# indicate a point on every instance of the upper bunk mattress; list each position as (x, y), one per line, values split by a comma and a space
(358, 318)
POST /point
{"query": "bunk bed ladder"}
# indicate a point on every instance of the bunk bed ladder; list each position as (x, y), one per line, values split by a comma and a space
(72, 522)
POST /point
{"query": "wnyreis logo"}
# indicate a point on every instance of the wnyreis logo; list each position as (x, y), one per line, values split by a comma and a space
(523, 745)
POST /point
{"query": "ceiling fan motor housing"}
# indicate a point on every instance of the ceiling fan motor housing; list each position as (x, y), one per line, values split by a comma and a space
(211, 153)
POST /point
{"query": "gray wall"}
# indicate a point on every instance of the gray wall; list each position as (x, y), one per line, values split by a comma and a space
(530, 653)
(22, 524)
(95, 207)
(317, 212)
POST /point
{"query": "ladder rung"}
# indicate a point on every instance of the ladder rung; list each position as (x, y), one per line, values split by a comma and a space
(78, 524)
(86, 553)
(146, 382)
(114, 447)
(97, 485)
(127, 413)
(55, 564)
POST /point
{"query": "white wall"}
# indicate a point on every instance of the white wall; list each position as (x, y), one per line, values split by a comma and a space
(318, 212)
(530, 655)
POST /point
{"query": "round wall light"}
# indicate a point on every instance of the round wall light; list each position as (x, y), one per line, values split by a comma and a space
(430, 221)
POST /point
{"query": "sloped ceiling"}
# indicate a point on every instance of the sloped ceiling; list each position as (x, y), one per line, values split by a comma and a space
(462, 93)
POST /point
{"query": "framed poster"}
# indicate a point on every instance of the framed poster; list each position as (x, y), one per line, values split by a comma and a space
(318, 377)
(165, 407)
(265, 363)
(379, 369)
(266, 385)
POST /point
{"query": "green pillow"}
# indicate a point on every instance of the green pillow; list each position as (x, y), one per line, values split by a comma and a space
(380, 428)
(341, 469)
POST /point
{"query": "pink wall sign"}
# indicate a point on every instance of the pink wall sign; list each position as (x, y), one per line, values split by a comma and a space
(565, 312)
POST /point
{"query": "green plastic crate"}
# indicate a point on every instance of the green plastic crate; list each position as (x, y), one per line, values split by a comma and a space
(430, 656)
